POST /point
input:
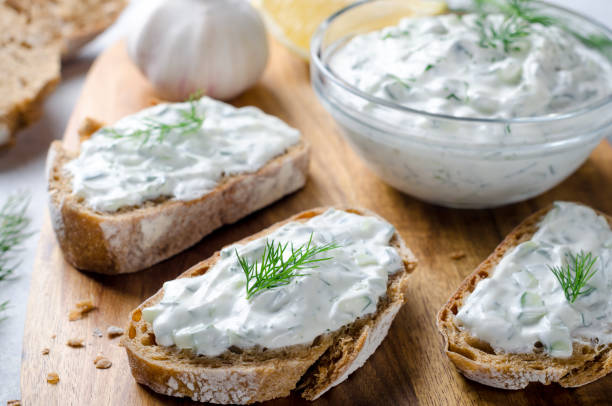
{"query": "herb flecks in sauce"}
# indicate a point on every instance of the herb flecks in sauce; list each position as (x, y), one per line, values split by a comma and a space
(575, 274)
(520, 14)
(171, 151)
(498, 65)
(522, 302)
(274, 270)
(210, 313)
(191, 122)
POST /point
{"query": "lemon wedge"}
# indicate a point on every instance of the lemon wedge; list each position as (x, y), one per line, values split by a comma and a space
(293, 22)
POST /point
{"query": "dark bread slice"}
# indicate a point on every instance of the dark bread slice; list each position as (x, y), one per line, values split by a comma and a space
(252, 375)
(478, 361)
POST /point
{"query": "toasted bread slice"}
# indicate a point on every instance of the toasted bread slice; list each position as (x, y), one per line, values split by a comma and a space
(135, 238)
(478, 361)
(250, 376)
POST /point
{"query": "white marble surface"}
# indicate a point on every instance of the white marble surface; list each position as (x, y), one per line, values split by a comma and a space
(22, 169)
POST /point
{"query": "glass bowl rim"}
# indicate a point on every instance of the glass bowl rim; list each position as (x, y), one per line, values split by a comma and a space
(315, 52)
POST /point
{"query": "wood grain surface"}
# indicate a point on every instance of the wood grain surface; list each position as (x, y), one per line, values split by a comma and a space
(409, 368)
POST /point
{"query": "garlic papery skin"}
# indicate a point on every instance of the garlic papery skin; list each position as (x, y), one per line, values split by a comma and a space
(185, 47)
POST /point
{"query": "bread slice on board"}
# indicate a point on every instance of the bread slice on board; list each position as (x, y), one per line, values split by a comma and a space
(30, 60)
(135, 238)
(478, 361)
(34, 36)
(76, 21)
(255, 376)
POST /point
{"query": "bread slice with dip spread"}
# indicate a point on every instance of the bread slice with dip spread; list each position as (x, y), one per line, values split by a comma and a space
(538, 309)
(203, 337)
(155, 183)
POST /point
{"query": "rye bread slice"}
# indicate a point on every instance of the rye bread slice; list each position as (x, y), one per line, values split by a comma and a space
(246, 376)
(134, 238)
(478, 361)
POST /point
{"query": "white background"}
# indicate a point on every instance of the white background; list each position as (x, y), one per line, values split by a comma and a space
(23, 168)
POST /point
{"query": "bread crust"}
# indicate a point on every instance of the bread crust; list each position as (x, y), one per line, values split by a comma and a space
(246, 379)
(136, 238)
(476, 359)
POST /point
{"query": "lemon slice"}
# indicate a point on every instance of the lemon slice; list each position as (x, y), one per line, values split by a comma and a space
(293, 22)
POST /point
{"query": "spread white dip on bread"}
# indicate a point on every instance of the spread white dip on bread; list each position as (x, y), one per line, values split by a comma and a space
(119, 166)
(522, 302)
(441, 65)
(211, 313)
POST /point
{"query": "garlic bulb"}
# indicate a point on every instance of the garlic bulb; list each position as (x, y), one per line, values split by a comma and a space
(218, 47)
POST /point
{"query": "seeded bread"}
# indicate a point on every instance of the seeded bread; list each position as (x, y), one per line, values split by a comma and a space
(30, 61)
(135, 238)
(478, 361)
(246, 376)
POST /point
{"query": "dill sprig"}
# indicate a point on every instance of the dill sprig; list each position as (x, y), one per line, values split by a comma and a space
(274, 271)
(190, 123)
(520, 14)
(574, 274)
(13, 231)
(510, 31)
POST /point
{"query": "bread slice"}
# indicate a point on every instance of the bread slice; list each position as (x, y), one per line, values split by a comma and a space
(134, 238)
(76, 21)
(248, 376)
(478, 361)
(30, 65)
(35, 35)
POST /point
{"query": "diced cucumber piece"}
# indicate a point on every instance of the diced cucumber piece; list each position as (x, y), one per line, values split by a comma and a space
(530, 299)
(527, 248)
(529, 317)
(526, 279)
(365, 259)
(561, 349)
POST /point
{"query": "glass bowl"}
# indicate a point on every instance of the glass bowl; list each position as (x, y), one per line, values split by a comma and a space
(453, 161)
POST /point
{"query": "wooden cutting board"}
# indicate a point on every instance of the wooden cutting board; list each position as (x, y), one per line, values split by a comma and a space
(408, 368)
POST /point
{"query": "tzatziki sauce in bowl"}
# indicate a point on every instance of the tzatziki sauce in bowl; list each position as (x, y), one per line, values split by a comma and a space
(468, 109)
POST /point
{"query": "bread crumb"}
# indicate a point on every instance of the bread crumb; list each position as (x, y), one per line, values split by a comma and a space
(52, 378)
(97, 332)
(53, 336)
(101, 362)
(114, 331)
(45, 351)
(81, 309)
(457, 255)
(75, 342)
(88, 127)
(13, 403)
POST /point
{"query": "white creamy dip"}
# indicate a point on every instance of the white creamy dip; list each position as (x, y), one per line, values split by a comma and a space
(439, 65)
(484, 151)
(118, 171)
(210, 313)
(523, 303)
